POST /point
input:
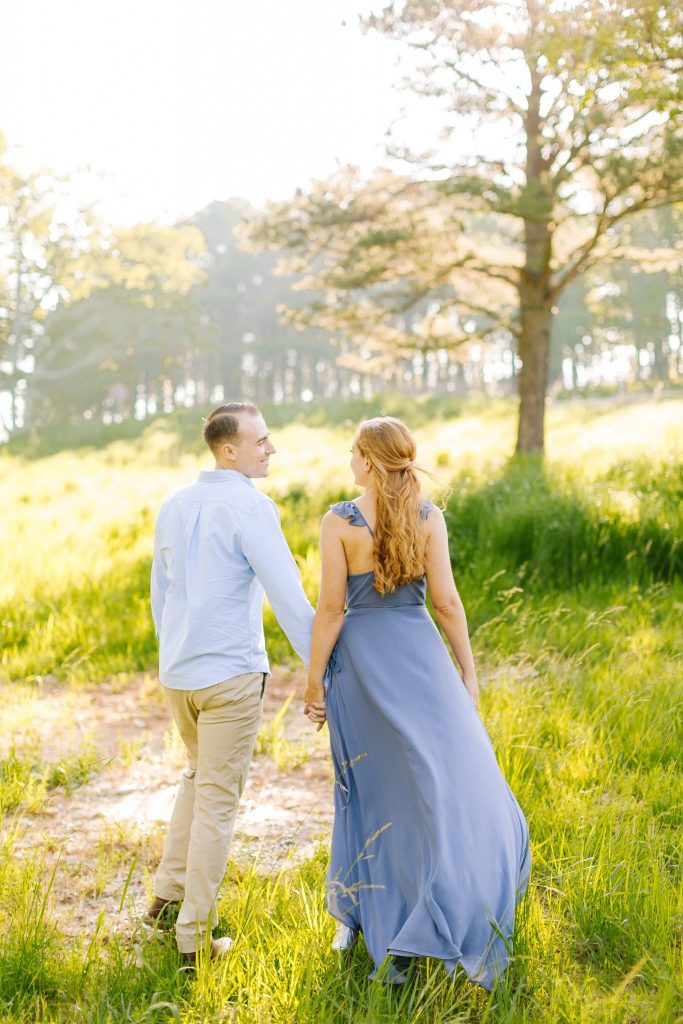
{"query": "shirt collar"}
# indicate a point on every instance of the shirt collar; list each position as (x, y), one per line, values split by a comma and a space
(217, 476)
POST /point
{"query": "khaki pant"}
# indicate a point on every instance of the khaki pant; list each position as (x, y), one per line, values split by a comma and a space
(218, 726)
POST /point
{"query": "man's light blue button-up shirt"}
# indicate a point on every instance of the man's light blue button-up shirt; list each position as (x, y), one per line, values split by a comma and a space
(218, 545)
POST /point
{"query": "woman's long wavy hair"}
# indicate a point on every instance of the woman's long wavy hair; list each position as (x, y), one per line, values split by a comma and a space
(399, 553)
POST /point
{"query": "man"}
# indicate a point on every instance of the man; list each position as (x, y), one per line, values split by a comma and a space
(217, 546)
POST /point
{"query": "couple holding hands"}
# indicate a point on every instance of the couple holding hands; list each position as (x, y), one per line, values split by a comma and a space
(430, 849)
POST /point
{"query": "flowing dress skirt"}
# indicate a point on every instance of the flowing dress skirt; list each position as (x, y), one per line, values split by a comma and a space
(430, 849)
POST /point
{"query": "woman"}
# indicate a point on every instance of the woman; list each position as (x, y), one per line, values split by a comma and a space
(430, 849)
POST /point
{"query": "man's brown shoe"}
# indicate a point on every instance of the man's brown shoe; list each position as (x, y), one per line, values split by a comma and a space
(219, 947)
(161, 914)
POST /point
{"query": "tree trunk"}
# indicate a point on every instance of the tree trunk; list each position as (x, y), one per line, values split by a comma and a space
(16, 330)
(677, 329)
(535, 305)
(661, 355)
(532, 380)
(231, 368)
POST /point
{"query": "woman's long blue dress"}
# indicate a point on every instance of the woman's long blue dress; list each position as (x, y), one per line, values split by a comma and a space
(430, 849)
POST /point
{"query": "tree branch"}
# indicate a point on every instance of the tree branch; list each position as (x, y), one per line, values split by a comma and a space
(605, 221)
(489, 91)
(500, 321)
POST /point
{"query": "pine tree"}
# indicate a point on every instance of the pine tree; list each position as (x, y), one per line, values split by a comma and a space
(578, 108)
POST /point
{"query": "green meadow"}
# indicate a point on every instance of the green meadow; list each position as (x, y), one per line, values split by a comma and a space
(571, 572)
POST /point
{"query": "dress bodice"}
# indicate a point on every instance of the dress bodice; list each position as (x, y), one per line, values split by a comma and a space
(360, 591)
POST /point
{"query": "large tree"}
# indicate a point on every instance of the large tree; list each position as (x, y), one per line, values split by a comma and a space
(575, 113)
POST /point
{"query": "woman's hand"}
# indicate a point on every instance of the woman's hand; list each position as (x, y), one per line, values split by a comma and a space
(472, 687)
(314, 703)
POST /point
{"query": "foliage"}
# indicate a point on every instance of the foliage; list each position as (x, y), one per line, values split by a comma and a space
(137, 323)
(482, 238)
(85, 306)
(44, 237)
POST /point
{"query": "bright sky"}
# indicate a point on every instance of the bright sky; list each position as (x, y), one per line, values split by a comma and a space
(179, 102)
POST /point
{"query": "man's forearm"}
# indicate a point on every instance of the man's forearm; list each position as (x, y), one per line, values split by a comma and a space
(295, 616)
(266, 550)
(158, 588)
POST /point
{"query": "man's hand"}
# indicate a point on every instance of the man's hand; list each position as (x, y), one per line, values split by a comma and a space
(314, 703)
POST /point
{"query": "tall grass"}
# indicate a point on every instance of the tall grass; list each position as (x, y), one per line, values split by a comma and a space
(541, 529)
(571, 576)
(557, 531)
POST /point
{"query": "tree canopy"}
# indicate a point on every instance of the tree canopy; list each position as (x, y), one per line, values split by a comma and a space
(559, 120)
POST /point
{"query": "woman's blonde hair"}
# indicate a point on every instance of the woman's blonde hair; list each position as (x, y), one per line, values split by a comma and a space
(399, 553)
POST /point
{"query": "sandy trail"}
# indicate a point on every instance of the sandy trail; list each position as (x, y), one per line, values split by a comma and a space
(116, 820)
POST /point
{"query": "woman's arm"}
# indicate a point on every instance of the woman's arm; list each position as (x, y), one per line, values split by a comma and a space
(329, 615)
(448, 608)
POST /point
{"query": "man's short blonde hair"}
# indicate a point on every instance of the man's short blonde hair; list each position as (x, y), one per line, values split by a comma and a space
(222, 425)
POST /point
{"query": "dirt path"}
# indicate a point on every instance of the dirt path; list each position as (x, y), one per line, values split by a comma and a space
(116, 820)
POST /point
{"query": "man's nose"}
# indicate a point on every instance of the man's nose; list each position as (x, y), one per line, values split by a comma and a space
(271, 448)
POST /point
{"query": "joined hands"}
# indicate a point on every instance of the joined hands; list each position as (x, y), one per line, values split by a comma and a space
(314, 704)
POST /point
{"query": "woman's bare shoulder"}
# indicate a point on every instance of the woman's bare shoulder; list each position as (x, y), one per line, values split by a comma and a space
(332, 520)
(432, 515)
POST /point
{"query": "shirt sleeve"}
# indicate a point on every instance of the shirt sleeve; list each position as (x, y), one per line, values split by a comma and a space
(266, 550)
(159, 579)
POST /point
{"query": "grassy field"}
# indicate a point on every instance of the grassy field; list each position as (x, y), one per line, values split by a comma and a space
(571, 576)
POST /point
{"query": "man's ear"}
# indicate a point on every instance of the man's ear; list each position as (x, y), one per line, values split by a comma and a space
(228, 451)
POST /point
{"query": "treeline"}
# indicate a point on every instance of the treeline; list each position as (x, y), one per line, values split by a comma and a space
(628, 313)
(107, 324)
